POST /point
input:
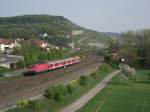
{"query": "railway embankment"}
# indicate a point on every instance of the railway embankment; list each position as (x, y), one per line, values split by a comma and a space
(29, 87)
(67, 98)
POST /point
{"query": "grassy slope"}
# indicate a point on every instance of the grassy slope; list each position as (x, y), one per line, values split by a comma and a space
(53, 106)
(118, 98)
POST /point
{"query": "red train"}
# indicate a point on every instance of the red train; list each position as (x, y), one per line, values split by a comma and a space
(52, 65)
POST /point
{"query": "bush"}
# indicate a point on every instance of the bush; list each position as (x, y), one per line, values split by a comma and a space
(56, 93)
(70, 88)
(62, 89)
(58, 96)
(93, 75)
(37, 105)
(23, 102)
(105, 68)
(83, 81)
(3, 69)
(20, 64)
(49, 93)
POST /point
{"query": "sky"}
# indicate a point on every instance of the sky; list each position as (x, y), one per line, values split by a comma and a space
(100, 15)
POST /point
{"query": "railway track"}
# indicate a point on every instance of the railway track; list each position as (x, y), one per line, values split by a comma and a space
(28, 87)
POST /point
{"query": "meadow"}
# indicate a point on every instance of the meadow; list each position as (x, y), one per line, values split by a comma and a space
(116, 97)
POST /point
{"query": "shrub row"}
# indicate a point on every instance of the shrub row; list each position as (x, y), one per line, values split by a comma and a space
(59, 92)
(105, 68)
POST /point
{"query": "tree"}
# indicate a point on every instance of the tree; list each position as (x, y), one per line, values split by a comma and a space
(58, 95)
(49, 93)
(93, 75)
(135, 47)
(127, 38)
(130, 55)
(20, 64)
(83, 81)
(70, 88)
(104, 68)
(126, 72)
(37, 105)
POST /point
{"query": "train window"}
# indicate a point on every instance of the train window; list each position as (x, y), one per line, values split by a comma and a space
(32, 67)
(56, 64)
(62, 63)
(50, 65)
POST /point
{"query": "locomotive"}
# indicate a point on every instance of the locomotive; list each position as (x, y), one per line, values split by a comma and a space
(52, 65)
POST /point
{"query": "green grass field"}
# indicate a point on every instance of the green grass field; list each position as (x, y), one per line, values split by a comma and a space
(135, 97)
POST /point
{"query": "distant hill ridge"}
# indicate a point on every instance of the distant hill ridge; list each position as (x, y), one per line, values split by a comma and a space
(33, 19)
(113, 34)
(32, 26)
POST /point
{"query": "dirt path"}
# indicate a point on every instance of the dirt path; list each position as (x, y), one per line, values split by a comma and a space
(88, 96)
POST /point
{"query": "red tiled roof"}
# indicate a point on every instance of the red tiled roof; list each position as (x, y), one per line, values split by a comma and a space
(38, 41)
(7, 41)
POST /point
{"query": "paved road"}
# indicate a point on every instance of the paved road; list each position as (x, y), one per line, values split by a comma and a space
(88, 96)
(10, 58)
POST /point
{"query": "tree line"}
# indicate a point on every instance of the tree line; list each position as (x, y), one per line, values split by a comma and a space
(30, 26)
(134, 47)
(34, 54)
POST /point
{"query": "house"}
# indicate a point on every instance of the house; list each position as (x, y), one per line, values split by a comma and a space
(71, 45)
(114, 55)
(43, 35)
(40, 43)
(7, 44)
(77, 32)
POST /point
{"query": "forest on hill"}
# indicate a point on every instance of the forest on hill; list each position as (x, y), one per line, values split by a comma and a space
(30, 26)
(56, 27)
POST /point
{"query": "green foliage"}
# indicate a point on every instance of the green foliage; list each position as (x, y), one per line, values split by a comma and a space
(83, 81)
(34, 54)
(36, 105)
(119, 98)
(108, 59)
(93, 75)
(105, 68)
(23, 102)
(3, 69)
(57, 27)
(61, 88)
(30, 26)
(141, 41)
(129, 54)
(53, 105)
(20, 64)
(49, 93)
(70, 88)
(58, 40)
(57, 93)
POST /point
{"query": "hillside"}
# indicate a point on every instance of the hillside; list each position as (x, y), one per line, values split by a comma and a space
(112, 34)
(32, 26)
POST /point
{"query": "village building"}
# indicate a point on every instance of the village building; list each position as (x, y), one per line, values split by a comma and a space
(7, 45)
(40, 43)
(115, 55)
